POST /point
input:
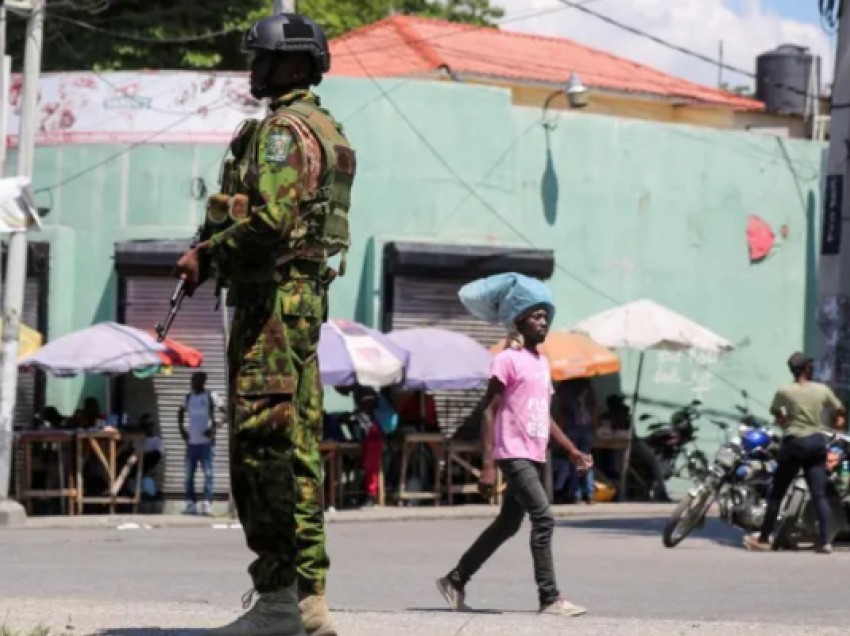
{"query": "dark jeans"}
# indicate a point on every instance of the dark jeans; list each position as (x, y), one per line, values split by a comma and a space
(524, 494)
(199, 454)
(809, 454)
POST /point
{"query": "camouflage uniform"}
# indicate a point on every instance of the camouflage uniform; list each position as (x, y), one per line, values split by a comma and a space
(287, 213)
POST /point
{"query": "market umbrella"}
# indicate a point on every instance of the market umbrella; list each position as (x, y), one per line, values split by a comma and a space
(29, 340)
(442, 360)
(574, 355)
(644, 325)
(105, 348)
(350, 353)
(177, 354)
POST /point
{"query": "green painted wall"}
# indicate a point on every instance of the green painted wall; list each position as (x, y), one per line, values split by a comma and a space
(632, 209)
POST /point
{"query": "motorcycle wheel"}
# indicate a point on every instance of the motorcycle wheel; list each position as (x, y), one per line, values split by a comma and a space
(687, 516)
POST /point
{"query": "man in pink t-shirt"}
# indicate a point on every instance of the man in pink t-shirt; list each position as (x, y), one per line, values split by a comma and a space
(515, 436)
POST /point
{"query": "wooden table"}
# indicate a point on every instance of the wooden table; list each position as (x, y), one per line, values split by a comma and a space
(69, 492)
(104, 445)
(410, 443)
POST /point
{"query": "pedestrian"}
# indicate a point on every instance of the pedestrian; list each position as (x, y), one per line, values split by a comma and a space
(201, 406)
(515, 434)
(581, 419)
(283, 214)
(799, 409)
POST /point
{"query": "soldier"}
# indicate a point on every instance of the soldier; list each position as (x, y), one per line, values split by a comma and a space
(282, 213)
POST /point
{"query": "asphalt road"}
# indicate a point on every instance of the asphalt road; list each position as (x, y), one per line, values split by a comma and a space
(382, 581)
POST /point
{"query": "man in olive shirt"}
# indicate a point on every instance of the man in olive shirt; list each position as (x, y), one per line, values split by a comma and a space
(799, 409)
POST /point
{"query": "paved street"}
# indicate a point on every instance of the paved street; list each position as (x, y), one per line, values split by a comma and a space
(126, 582)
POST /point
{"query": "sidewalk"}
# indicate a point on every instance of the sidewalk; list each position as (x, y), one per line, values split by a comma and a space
(374, 515)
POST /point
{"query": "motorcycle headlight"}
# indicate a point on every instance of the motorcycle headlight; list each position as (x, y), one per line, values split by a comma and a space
(726, 457)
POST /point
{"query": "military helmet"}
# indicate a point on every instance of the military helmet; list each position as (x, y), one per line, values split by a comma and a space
(288, 33)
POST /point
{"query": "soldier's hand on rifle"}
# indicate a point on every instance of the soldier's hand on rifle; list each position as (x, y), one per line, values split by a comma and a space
(193, 267)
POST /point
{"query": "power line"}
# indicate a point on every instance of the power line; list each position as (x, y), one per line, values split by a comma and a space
(690, 52)
(223, 32)
(146, 40)
(521, 235)
(102, 77)
(117, 155)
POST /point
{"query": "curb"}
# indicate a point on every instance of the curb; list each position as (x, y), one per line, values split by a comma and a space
(380, 515)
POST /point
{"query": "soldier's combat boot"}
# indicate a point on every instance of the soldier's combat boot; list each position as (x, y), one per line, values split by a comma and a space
(316, 616)
(274, 614)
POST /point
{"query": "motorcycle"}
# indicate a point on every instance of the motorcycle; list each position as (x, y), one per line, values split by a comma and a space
(738, 480)
(798, 522)
(674, 442)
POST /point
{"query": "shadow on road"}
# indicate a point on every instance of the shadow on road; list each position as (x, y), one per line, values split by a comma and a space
(152, 631)
(443, 610)
(715, 530)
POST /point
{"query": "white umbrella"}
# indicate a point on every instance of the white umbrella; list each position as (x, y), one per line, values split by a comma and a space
(105, 348)
(645, 325)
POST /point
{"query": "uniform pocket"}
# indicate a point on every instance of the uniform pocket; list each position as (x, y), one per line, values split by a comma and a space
(265, 402)
(301, 307)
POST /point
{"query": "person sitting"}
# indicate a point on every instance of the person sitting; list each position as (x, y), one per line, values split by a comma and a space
(419, 409)
(375, 415)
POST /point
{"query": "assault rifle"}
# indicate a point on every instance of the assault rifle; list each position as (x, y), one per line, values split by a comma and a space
(180, 292)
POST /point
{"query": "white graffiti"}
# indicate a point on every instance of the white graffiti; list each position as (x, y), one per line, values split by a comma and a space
(691, 370)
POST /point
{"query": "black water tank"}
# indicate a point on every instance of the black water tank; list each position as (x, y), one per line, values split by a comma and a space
(784, 77)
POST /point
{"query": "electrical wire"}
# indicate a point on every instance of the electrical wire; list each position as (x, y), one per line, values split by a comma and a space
(102, 77)
(146, 40)
(691, 53)
(510, 225)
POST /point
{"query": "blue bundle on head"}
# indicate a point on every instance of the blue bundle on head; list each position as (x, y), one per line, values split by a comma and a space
(504, 298)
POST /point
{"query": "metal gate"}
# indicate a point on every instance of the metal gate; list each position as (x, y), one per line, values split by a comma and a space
(198, 325)
(431, 302)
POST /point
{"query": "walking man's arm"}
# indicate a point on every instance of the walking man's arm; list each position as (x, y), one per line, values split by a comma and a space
(580, 460)
(487, 482)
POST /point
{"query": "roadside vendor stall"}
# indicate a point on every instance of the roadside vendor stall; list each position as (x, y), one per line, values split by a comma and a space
(105, 349)
(441, 362)
(351, 354)
(647, 326)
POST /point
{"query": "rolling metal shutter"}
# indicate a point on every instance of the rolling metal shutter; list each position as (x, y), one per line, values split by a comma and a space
(25, 404)
(432, 302)
(198, 325)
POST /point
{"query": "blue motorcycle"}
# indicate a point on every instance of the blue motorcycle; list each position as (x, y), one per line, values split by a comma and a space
(738, 481)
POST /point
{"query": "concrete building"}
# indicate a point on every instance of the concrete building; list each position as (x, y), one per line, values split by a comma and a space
(454, 181)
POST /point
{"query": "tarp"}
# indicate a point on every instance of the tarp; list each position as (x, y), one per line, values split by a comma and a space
(503, 298)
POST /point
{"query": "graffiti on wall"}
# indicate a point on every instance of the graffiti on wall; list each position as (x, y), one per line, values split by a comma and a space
(687, 369)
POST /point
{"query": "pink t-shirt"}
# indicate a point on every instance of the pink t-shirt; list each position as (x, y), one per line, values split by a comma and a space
(522, 423)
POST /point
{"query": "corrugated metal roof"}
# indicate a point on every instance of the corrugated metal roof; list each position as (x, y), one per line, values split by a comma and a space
(403, 46)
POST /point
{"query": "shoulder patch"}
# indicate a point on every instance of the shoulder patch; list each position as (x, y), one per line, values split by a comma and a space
(278, 145)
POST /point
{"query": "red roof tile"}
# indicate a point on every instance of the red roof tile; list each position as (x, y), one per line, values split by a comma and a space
(401, 46)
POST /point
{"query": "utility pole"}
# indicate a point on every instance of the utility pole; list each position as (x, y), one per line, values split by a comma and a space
(16, 275)
(834, 271)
